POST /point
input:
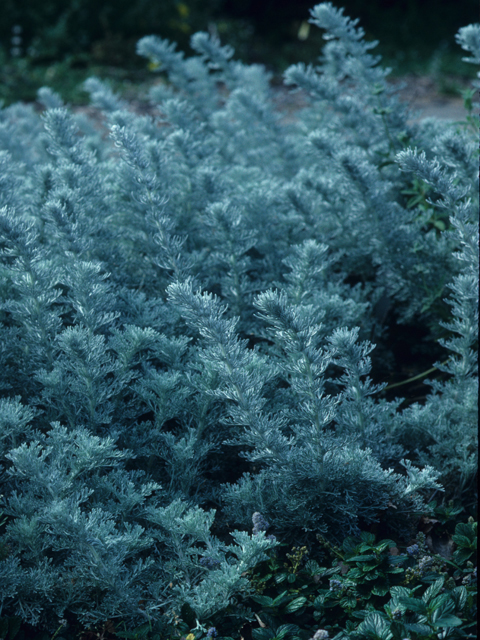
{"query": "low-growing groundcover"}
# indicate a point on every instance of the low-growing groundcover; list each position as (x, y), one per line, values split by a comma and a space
(191, 308)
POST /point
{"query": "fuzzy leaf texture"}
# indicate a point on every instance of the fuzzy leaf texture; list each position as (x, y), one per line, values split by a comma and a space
(194, 307)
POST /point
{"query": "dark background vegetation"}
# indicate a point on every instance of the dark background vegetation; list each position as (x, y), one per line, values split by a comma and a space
(60, 42)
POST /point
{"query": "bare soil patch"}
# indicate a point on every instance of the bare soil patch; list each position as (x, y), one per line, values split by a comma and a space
(423, 94)
(420, 92)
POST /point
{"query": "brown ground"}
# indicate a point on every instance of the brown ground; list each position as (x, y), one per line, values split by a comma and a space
(421, 93)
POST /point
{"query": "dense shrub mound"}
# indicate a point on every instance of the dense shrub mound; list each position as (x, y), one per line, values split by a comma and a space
(189, 309)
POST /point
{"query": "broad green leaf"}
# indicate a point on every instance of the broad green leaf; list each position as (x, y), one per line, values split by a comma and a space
(367, 537)
(365, 558)
(375, 627)
(263, 634)
(433, 589)
(466, 530)
(286, 629)
(385, 544)
(395, 570)
(265, 601)
(459, 596)
(319, 601)
(447, 621)
(462, 555)
(280, 599)
(398, 592)
(371, 574)
(413, 605)
(280, 577)
(419, 628)
(350, 545)
(296, 604)
(440, 603)
(462, 541)
(348, 602)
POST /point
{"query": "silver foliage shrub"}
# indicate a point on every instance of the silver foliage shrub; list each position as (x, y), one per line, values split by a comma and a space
(182, 346)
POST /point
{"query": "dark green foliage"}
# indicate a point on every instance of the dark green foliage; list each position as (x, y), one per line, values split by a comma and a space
(107, 30)
(53, 28)
(371, 590)
(9, 627)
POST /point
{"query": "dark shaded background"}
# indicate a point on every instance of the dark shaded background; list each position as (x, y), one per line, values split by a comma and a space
(265, 31)
(59, 43)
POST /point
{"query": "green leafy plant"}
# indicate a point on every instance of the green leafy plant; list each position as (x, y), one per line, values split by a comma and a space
(9, 627)
(394, 595)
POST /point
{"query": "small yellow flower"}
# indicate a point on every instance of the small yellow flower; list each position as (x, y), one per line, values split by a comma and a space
(190, 637)
(304, 30)
(183, 10)
(153, 65)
